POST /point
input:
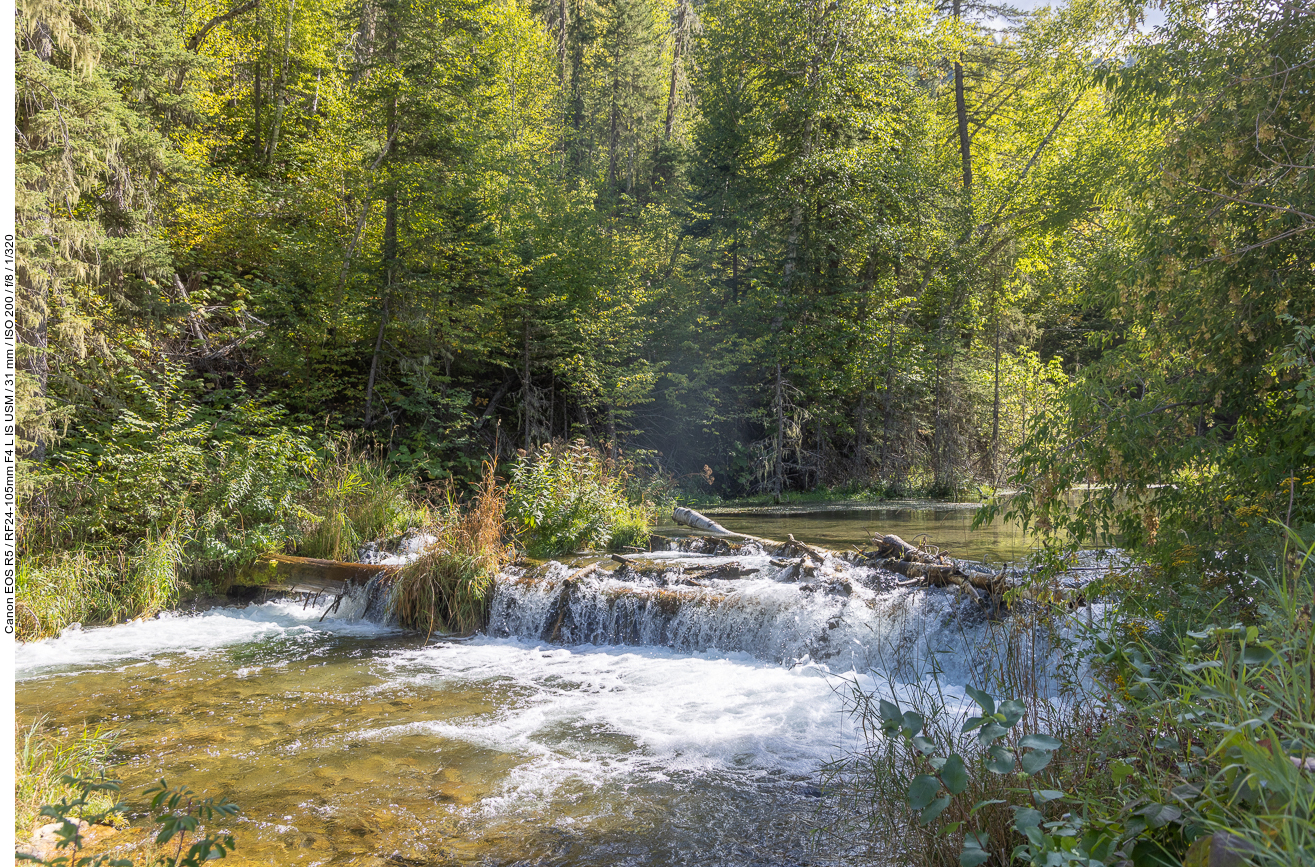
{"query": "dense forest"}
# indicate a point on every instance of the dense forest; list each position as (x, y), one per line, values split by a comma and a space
(755, 246)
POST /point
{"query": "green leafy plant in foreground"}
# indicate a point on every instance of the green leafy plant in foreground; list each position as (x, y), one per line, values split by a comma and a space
(177, 811)
(943, 778)
(1233, 709)
(1184, 751)
(43, 759)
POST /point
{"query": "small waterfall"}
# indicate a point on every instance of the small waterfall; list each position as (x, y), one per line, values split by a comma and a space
(369, 602)
(707, 595)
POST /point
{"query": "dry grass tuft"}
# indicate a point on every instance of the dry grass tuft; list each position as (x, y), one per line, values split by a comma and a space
(448, 588)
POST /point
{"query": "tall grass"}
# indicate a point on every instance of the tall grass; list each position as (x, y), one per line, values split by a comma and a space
(355, 499)
(448, 588)
(42, 757)
(92, 585)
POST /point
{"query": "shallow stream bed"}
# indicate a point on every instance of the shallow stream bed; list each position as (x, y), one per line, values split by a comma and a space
(636, 718)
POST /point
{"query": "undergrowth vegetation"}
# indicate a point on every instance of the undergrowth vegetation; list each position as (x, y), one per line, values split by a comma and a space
(1163, 749)
(567, 497)
(355, 498)
(176, 495)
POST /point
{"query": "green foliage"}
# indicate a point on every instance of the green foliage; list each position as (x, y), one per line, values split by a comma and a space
(1191, 417)
(176, 810)
(224, 475)
(1228, 714)
(96, 585)
(43, 760)
(178, 488)
(355, 498)
(1178, 748)
(566, 497)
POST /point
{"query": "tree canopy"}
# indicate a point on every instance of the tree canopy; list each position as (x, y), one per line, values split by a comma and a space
(760, 245)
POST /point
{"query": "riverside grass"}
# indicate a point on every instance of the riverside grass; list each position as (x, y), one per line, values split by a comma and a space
(347, 497)
(58, 588)
(448, 588)
(355, 499)
(43, 756)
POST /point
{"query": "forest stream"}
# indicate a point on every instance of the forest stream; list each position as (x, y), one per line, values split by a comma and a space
(676, 710)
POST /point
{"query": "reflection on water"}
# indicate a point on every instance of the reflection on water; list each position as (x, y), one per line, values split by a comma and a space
(946, 525)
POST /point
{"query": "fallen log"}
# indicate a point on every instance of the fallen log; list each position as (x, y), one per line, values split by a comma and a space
(937, 572)
(810, 551)
(691, 518)
(308, 574)
(585, 572)
(891, 545)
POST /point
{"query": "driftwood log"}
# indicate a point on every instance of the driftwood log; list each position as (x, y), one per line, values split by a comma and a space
(310, 574)
(691, 518)
(933, 568)
(921, 566)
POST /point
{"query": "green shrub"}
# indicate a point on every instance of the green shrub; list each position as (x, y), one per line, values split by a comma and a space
(176, 487)
(222, 476)
(564, 498)
(1227, 724)
(1207, 745)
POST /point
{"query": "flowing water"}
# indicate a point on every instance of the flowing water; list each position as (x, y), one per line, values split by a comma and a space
(674, 711)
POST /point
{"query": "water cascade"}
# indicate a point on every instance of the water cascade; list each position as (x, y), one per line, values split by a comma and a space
(701, 594)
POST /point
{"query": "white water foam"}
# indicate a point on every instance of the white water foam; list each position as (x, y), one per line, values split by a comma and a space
(170, 633)
(607, 716)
